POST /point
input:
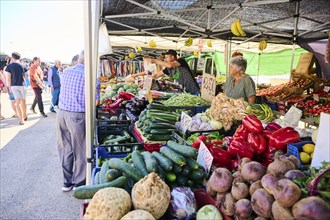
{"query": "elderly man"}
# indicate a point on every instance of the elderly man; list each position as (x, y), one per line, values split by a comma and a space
(54, 83)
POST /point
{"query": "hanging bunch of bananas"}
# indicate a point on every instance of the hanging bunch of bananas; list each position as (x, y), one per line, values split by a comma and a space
(262, 45)
(196, 53)
(262, 111)
(209, 43)
(126, 58)
(236, 29)
(188, 42)
(139, 49)
(131, 55)
(152, 44)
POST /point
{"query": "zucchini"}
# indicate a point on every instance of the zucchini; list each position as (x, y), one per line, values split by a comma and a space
(97, 178)
(185, 171)
(158, 137)
(161, 173)
(120, 165)
(174, 157)
(104, 168)
(186, 151)
(167, 116)
(197, 175)
(181, 180)
(112, 174)
(87, 192)
(138, 162)
(159, 107)
(162, 125)
(177, 169)
(170, 177)
(192, 164)
(161, 131)
(163, 162)
(147, 129)
(150, 161)
(160, 120)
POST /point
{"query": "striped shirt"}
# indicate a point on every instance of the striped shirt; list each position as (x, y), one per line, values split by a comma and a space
(244, 88)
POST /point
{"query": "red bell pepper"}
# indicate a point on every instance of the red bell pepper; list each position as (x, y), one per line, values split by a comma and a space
(227, 140)
(126, 95)
(239, 147)
(116, 103)
(280, 138)
(217, 143)
(252, 123)
(221, 158)
(205, 139)
(257, 141)
(241, 131)
(267, 134)
(272, 126)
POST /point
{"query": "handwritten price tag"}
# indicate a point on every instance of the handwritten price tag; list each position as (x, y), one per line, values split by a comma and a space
(316, 97)
(204, 157)
(208, 87)
(185, 122)
(326, 88)
(147, 82)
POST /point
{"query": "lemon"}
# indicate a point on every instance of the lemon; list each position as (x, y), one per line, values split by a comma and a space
(305, 158)
(312, 155)
(308, 148)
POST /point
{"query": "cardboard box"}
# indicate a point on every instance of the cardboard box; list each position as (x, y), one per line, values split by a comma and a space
(305, 63)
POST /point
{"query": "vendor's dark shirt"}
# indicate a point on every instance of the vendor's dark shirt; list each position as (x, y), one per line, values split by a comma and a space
(17, 72)
(186, 78)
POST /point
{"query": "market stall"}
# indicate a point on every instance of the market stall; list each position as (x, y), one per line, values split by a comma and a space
(168, 154)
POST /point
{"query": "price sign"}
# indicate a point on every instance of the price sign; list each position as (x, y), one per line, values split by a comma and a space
(185, 122)
(208, 87)
(147, 82)
(326, 88)
(316, 97)
(204, 157)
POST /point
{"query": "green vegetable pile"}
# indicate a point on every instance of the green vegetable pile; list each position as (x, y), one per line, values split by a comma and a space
(186, 99)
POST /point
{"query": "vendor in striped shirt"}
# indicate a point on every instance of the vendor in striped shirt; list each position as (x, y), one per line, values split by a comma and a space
(240, 84)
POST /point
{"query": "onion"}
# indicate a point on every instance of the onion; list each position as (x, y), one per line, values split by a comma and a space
(280, 213)
(313, 208)
(269, 181)
(262, 202)
(243, 208)
(253, 171)
(280, 166)
(220, 180)
(254, 186)
(239, 190)
(294, 174)
(286, 193)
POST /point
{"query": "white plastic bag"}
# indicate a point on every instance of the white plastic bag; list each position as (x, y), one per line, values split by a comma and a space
(104, 41)
(292, 117)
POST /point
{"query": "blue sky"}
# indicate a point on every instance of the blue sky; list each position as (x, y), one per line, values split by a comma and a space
(48, 29)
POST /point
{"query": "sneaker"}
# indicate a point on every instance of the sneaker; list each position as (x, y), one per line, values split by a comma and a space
(52, 110)
(43, 114)
(32, 110)
(66, 188)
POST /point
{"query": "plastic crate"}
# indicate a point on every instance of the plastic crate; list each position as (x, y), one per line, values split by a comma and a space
(177, 138)
(147, 146)
(295, 148)
(192, 110)
(108, 112)
(272, 105)
(94, 171)
(116, 150)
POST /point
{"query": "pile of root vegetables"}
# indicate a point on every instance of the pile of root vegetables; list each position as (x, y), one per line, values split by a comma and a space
(259, 192)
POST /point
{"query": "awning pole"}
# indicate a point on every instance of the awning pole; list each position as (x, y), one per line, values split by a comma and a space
(295, 32)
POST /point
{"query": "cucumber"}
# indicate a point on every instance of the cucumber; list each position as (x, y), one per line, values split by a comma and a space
(167, 116)
(87, 192)
(197, 175)
(161, 173)
(130, 160)
(181, 180)
(186, 151)
(190, 183)
(162, 125)
(147, 129)
(120, 165)
(97, 178)
(112, 174)
(159, 107)
(158, 137)
(161, 131)
(138, 162)
(174, 157)
(150, 161)
(104, 168)
(185, 171)
(163, 162)
(170, 177)
(177, 169)
(160, 120)
(192, 164)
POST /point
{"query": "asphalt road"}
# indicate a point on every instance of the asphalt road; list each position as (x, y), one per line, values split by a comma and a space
(30, 172)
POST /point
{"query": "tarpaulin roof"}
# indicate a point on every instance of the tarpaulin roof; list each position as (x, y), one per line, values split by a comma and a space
(275, 20)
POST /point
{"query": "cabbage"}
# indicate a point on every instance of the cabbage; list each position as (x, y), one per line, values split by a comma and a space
(216, 125)
(183, 203)
(209, 212)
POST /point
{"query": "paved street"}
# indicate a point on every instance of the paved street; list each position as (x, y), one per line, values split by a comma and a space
(30, 176)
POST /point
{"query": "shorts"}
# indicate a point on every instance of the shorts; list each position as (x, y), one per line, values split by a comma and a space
(11, 95)
(19, 92)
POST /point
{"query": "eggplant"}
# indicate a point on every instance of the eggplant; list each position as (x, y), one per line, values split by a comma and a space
(122, 117)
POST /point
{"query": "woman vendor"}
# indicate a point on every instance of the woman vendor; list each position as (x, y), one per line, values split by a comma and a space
(239, 84)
